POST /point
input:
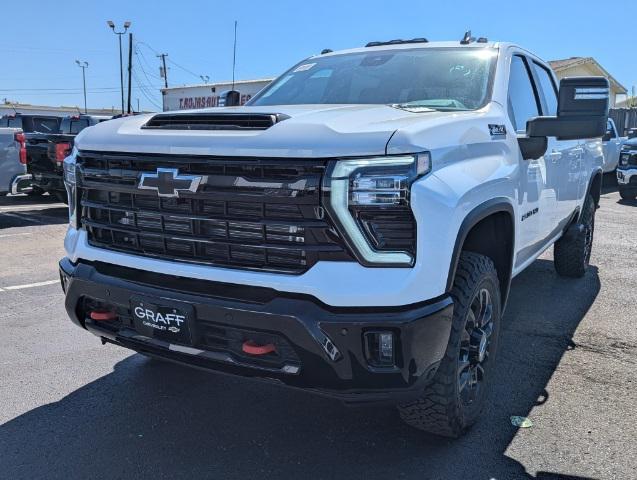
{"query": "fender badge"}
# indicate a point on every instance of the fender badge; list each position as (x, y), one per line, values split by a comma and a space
(497, 130)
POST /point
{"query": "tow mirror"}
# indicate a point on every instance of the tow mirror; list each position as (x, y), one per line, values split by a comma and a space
(582, 111)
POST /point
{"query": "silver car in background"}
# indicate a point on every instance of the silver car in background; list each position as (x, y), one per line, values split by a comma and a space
(13, 162)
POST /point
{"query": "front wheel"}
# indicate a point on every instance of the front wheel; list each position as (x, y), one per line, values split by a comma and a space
(457, 395)
(626, 195)
(572, 252)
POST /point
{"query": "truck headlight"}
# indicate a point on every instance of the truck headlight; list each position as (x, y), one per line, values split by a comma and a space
(70, 182)
(369, 199)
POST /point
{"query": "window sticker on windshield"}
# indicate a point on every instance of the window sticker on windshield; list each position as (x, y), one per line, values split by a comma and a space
(304, 67)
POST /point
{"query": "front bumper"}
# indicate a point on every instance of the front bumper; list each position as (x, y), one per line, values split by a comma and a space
(49, 182)
(627, 178)
(21, 184)
(310, 331)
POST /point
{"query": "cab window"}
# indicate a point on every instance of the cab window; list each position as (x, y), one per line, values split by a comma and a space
(548, 88)
(522, 102)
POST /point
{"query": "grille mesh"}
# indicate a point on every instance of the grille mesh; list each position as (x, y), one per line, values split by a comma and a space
(247, 213)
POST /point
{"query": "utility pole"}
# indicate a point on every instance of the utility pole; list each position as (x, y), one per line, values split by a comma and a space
(121, 62)
(130, 68)
(234, 53)
(83, 65)
(165, 71)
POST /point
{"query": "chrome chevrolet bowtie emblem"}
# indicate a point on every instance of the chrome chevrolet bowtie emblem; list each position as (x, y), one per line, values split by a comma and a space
(168, 183)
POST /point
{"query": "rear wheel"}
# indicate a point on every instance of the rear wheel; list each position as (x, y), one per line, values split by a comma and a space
(572, 252)
(457, 395)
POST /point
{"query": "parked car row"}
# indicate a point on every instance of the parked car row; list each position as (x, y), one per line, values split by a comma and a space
(13, 160)
(42, 142)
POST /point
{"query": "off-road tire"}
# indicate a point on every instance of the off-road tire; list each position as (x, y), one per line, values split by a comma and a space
(625, 195)
(441, 410)
(572, 252)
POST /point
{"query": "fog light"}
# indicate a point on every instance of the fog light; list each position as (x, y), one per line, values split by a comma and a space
(379, 349)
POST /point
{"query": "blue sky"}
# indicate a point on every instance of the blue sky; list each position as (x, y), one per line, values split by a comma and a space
(41, 39)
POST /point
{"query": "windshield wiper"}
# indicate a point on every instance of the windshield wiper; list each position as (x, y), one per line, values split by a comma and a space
(412, 106)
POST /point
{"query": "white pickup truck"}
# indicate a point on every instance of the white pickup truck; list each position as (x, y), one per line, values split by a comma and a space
(13, 161)
(612, 144)
(353, 230)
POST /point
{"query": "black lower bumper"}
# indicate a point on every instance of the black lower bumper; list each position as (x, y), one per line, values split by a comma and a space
(318, 348)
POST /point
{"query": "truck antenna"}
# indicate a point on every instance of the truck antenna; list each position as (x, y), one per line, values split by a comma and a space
(234, 53)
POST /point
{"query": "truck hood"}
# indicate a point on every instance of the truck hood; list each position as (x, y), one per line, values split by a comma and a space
(317, 131)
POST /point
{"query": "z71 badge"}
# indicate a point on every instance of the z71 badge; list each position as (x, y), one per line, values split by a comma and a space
(497, 130)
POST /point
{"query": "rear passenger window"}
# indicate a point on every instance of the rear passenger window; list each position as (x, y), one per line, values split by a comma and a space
(522, 102)
(548, 88)
(78, 125)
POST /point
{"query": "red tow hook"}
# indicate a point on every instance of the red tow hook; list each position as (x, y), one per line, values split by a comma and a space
(103, 315)
(252, 348)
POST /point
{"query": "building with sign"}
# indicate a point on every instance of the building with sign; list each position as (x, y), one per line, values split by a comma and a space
(207, 95)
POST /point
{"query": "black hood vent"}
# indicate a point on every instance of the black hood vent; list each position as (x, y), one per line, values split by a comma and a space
(214, 121)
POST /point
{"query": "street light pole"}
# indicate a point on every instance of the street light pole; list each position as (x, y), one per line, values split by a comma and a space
(121, 61)
(83, 65)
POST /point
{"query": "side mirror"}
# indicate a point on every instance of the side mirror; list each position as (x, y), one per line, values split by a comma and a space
(607, 136)
(582, 111)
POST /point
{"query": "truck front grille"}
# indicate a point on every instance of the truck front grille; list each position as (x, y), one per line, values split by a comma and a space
(254, 213)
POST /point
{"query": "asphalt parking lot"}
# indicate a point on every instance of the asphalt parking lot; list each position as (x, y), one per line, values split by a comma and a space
(72, 408)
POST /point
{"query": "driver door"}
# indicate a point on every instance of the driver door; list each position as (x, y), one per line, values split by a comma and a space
(536, 190)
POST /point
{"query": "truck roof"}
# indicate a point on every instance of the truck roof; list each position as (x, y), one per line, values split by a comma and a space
(409, 44)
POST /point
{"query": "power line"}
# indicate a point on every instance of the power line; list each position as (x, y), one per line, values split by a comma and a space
(53, 89)
(196, 75)
(184, 69)
(62, 90)
(142, 89)
(140, 55)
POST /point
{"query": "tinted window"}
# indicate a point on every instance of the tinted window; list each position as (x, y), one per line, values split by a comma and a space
(46, 125)
(11, 122)
(441, 79)
(522, 102)
(610, 131)
(548, 89)
(75, 126)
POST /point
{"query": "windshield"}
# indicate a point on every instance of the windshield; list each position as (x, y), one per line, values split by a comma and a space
(425, 78)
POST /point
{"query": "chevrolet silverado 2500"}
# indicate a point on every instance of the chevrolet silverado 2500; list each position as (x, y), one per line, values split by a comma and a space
(353, 230)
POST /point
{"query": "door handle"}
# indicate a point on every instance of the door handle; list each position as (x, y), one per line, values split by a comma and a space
(555, 156)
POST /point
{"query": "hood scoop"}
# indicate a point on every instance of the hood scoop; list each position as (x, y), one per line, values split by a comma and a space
(214, 121)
